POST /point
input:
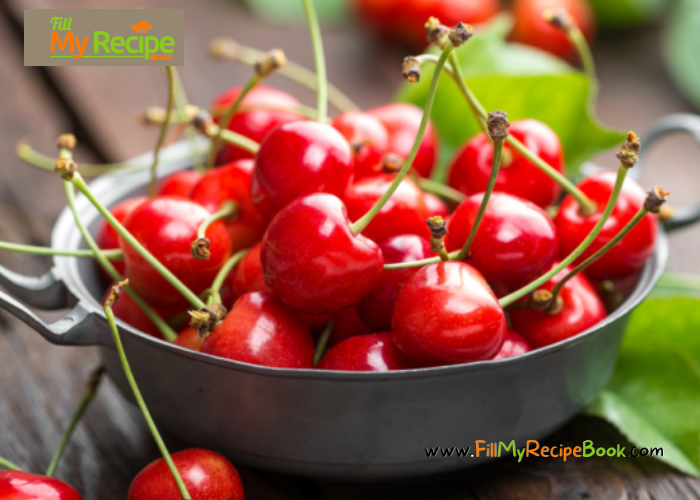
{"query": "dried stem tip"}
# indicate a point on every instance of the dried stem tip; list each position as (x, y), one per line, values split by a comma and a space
(411, 69)
(392, 163)
(461, 34)
(66, 141)
(200, 249)
(202, 121)
(204, 320)
(155, 115)
(65, 167)
(115, 292)
(543, 301)
(438, 231)
(559, 18)
(436, 32)
(270, 62)
(629, 152)
(224, 48)
(498, 125)
(655, 199)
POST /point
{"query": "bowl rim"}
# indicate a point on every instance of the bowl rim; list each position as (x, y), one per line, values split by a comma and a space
(176, 157)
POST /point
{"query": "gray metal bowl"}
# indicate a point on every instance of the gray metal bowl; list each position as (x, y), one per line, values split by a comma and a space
(333, 424)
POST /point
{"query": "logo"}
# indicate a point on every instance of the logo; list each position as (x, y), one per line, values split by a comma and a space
(104, 37)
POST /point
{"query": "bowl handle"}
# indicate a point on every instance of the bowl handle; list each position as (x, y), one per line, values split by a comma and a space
(44, 292)
(680, 122)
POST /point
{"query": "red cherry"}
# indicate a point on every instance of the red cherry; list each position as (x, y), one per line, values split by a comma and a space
(126, 310)
(207, 476)
(347, 324)
(311, 259)
(107, 237)
(531, 29)
(179, 184)
(167, 226)
(377, 308)
(581, 309)
(471, 167)
(402, 121)
(436, 206)
(365, 353)
(18, 485)
(514, 345)
(631, 252)
(232, 182)
(514, 243)
(254, 123)
(261, 330)
(447, 314)
(300, 158)
(368, 138)
(189, 339)
(404, 213)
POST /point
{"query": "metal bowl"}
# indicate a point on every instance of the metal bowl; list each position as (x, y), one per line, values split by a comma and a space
(329, 424)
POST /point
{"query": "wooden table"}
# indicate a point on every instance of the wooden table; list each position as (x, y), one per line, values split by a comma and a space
(40, 384)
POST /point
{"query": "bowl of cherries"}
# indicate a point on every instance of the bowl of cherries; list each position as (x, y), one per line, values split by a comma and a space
(302, 297)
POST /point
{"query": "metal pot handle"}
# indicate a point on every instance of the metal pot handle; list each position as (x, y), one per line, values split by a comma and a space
(680, 122)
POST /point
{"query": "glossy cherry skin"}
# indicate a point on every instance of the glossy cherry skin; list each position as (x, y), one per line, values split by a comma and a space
(471, 167)
(311, 259)
(189, 339)
(207, 476)
(515, 241)
(446, 314)
(108, 238)
(346, 324)
(377, 308)
(402, 121)
(167, 226)
(436, 206)
(261, 330)
(365, 353)
(514, 345)
(368, 138)
(531, 29)
(232, 182)
(404, 213)
(582, 309)
(17, 485)
(297, 159)
(179, 184)
(631, 252)
(254, 123)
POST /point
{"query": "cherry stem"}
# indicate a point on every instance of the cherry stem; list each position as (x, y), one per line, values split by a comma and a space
(292, 71)
(153, 186)
(360, 224)
(181, 103)
(323, 342)
(442, 190)
(115, 254)
(495, 166)
(619, 180)
(226, 269)
(142, 404)
(90, 391)
(226, 118)
(583, 50)
(319, 61)
(79, 183)
(227, 210)
(160, 323)
(231, 137)
(6, 464)
(587, 206)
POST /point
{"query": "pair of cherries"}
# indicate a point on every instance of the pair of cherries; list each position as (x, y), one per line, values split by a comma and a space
(206, 475)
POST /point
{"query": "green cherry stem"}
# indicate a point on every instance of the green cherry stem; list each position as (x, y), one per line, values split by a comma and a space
(153, 185)
(319, 61)
(227, 210)
(584, 52)
(36, 250)
(226, 269)
(231, 50)
(230, 137)
(181, 103)
(6, 464)
(358, 226)
(323, 342)
(139, 399)
(90, 391)
(511, 298)
(439, 189)
(80, 184)
(160, 323)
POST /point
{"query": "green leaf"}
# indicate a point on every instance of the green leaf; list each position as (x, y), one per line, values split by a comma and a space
(626, 13)
(681, 47)
(653, 396)
(524, 82)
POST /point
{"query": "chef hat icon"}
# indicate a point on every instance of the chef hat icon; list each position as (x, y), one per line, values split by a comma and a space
(141, 27)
